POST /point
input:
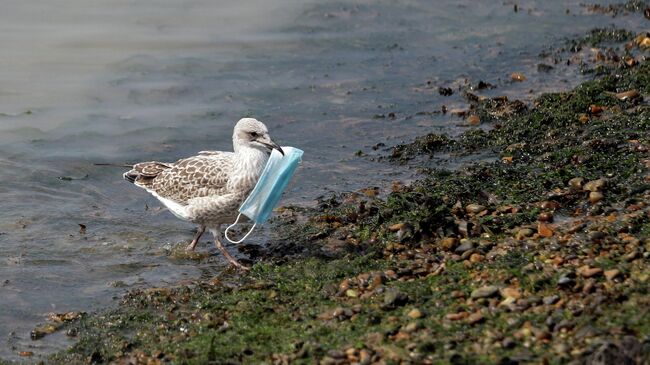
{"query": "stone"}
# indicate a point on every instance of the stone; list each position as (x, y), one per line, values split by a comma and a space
(576, 183)
(595, 197)
(351, 293)
(364, 357)
(565, 281)
(456, 316)
(474, 208)
(475, 257)
(545, 217)
(474, 120)
(544, 230)
(551, 299)
(449, 243)
(595, 185)
(588, 272)
(475, 318)
(465, 245)
(394, 298)
(612, 274)
(415, 313)
(524, 233)
(510, 293)
(517, 76)
(485, 292)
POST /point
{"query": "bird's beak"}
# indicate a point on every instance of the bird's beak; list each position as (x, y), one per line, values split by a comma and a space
(270, 144)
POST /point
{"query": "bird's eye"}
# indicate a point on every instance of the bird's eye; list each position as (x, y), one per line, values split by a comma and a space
(254, 134)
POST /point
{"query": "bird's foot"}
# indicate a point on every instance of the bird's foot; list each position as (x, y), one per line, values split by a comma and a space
(233, 261)
(191, 247)
(195, 240)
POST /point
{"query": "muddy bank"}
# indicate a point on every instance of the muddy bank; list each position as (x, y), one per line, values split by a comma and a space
(538, 256)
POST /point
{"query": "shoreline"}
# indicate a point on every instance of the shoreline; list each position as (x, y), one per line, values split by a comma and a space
(541, 255)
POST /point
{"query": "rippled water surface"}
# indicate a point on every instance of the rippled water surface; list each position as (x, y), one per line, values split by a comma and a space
(84, 82)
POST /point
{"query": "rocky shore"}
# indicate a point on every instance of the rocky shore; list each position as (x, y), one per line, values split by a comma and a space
(539, 254)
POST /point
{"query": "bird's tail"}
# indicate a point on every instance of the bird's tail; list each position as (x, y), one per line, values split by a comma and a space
(144, 172)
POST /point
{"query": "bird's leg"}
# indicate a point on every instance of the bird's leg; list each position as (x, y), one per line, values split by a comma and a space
(196, 238)
(225, 252)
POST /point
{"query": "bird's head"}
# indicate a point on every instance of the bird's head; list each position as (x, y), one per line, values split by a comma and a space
(250, 132)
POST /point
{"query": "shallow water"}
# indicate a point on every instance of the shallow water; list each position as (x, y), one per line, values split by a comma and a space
(125, 81)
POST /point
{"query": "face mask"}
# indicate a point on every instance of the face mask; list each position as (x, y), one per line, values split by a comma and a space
(268, 190)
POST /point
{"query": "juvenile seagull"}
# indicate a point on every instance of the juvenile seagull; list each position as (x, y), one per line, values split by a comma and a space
(208, 189)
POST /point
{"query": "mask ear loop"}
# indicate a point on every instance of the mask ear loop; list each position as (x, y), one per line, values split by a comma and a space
(225, 233)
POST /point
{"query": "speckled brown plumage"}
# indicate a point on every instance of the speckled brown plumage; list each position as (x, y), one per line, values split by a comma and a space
(188, 178)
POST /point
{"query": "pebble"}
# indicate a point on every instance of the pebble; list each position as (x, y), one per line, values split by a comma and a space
(576, 183)
(545, 217)
(351, 293)
(415, 313)
(475, 257)
(595, 197)
(551, 299)
(523, 233)
(543, 335)
(40, 332)
(364, 357)
(508, 343)
(474, 120)
(474, 208)
(475, 318)
(329, 361)
(544, 230)
(596, 236)
(596, 109)
(587, 272)
(411, 327)
(394, 298)
(376, 281)
(564, 324)
(549, 205)
(517, 76)
(627, 95)
(336, 354)
(344, 285)
(456, 316)
(390, 274)
(510, 293)
(449, 243)
(595, 185)
(631, 256)
(485, 292)
(612, 274)
(565, 281)
(457, 294)
(465, 246)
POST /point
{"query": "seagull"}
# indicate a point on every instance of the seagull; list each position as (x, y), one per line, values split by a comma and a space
(207, 189)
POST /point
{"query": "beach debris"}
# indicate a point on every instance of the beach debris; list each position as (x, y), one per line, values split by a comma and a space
(517, 76)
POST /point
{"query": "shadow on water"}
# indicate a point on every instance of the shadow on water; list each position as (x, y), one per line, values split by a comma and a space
(125, 81)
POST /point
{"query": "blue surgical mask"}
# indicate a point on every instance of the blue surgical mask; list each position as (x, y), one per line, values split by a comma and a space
(268, 190)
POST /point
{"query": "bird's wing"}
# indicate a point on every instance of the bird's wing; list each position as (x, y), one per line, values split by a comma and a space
(197, 176)
(143, 173)
(193, 177)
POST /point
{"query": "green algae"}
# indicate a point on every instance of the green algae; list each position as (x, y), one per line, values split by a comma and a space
(600, 36)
